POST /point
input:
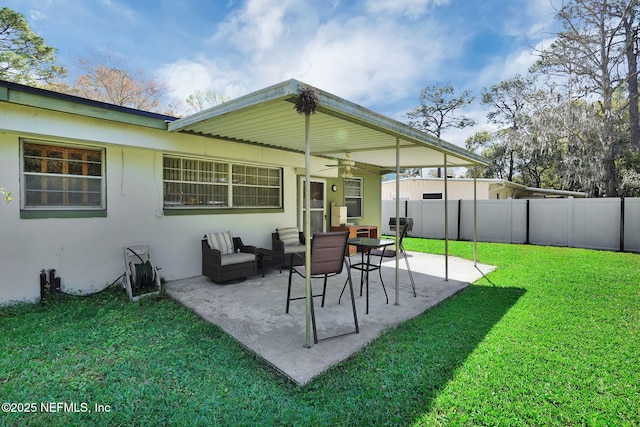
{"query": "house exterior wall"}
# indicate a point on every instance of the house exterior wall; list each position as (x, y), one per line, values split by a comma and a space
(500, 191)
(371, 203)
(458, 189)
(87, 252)
(412, 189)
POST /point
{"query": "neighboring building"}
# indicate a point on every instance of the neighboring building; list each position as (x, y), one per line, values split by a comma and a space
(462, 188)
(89, 178)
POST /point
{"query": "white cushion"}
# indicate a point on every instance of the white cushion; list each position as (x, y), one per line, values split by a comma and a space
(290, 236)
(294, 249)
(237, 258)
(221, 241)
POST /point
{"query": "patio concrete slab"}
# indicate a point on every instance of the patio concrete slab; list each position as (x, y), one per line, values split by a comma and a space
(253, 311)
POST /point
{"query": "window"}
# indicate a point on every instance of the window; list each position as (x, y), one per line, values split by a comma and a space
(62, 177)
(255, 186)
(191, 182)
(431, 196)
(353, 197)
(199, 183)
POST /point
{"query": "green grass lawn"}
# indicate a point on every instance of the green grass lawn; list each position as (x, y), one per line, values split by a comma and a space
(552, 337)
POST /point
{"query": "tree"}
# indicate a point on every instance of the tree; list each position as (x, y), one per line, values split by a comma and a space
(628, 15)
(201, 100)
(109, 78)
(567, 132)
(437, 112)
(509, 108)
(591, 53)
(24, 56)
(483, 143)
(5, 196)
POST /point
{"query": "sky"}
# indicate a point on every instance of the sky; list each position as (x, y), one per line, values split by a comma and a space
(377, 53)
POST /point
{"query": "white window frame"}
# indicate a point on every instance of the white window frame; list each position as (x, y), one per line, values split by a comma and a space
(360, 197)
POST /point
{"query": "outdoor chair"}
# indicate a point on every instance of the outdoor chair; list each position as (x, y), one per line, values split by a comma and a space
(391, 253)
(291, 244)
(226, 259)
(327, 260)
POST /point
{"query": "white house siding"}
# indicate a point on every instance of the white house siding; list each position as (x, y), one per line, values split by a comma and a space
(87, 253)
(413, 188)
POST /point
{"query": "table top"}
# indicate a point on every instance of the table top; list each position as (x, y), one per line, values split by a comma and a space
(369, 242)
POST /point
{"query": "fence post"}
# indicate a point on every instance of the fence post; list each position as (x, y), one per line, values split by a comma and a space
(527, 221)
(570, 221)
(622, 224)
(459, 210)
(510, 222)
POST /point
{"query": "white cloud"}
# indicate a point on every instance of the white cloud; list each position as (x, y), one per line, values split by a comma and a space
(363, 58)
(36, 15)
(369, 60)
(119, 9)
(411, 8)
(184, 77)
(257, 26)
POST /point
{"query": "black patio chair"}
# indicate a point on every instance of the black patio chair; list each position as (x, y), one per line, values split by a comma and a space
(289, 242)
(391, 253)
(225, 259)
(327, 260)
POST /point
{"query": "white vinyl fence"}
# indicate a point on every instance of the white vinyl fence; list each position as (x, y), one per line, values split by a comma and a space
(606, 223)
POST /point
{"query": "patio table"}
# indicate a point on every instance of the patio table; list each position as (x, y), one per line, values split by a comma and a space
(365, 245)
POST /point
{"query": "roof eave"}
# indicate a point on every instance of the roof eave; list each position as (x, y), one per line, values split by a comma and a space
(61, 102)
(334, 106)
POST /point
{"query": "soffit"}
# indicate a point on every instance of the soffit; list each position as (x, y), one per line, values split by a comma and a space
(268, 118)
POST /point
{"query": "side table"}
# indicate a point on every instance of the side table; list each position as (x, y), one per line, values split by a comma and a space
(268, 258)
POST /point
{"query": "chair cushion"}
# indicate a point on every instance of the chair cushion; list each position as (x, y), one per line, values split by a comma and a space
(290, 236)
(237, 258)
(222, 241)
(294, 249)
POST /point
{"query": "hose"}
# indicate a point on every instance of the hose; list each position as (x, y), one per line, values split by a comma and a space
(94, 293)
(143, 277)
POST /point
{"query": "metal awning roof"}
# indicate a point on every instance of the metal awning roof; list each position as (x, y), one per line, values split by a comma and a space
(267, 117)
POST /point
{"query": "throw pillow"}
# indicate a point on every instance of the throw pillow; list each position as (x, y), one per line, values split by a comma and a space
(289, 236)
(222, 241)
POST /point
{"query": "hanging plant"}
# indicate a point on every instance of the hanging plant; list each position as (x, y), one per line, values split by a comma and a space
(307, 102)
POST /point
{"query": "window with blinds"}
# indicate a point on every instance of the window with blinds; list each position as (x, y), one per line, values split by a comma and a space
(200, 183)
(62, 177)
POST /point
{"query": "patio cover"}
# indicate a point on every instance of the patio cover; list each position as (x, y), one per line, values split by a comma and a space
(268, 118)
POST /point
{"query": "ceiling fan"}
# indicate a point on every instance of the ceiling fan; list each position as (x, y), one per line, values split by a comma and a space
(348, 166)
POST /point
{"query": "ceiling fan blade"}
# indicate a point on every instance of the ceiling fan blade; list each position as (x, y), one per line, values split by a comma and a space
(364, 170)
